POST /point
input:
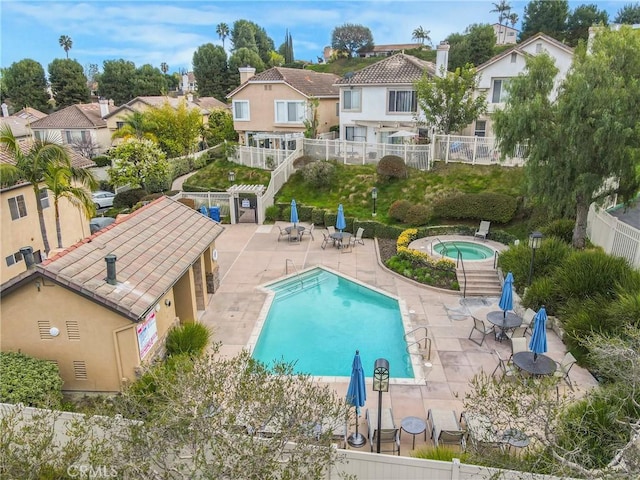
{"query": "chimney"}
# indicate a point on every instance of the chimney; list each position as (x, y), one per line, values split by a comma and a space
(5, 110)
(104, 107)
(442, 58)
(246, 73)
(27, 254)
(111, 268)
(190, 98)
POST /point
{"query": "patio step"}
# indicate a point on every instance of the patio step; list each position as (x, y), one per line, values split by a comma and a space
(480, 283)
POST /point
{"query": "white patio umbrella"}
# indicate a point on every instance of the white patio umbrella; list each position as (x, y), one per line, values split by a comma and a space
(403, 133)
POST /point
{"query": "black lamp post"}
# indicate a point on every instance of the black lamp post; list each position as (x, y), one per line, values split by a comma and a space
(232, 176)
(535, 239)
(380, 384)
(374, 196)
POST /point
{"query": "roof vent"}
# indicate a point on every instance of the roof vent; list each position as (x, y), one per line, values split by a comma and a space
(111, 268)
(27, 254)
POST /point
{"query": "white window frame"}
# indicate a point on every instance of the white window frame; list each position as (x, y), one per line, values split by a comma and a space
(17, 207)
(354, 133)
(44, 198)
(352, 107)
(71, 136)
(241, 119)
(301, 107)
(501, 90)
(413, 108)
(480, 128)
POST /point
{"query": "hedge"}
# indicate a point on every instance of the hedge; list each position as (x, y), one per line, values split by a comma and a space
(28, 380)
(495, 207)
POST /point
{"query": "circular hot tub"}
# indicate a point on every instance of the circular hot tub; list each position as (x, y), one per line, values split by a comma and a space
(468, 250)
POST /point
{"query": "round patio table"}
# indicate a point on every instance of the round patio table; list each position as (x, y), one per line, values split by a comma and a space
(414, 426)
(340, 237)
(504, 322)
(515, 438)
(542, 365)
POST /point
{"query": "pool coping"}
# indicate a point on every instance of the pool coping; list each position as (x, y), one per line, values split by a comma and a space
(420, 244)
(409, 329)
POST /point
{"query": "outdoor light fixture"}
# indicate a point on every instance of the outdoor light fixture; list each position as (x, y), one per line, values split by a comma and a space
(535, 239)
(232, 176)
(374, 196)
(54, 331)
(380, 384)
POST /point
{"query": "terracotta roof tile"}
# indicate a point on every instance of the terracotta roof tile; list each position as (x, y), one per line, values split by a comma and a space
(398, 69)
(310, 83)
(82, 115)
(77, 160)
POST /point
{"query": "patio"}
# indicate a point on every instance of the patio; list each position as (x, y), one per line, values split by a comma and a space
(250, 255)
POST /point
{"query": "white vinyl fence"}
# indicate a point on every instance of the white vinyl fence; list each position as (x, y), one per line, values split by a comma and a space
(474, 150)
(615, 237)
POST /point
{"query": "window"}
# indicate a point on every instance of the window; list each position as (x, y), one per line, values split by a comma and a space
(267, 87)
(514, 57)
(241, 110)
(17, 207)
(481, 128)
(384, 138)
(289, 111)
(403, 101)
(76, 136)
(499, 91)
(13, 259)
(511, 34)
(355, 134)
(119, 125)
(538, 47)
(39, 135)
(44, 198)
(337, 109)
(351, 99)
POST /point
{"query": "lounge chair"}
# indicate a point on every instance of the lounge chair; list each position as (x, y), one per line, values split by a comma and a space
(358, 237)
(480, 432)
(389, 434)
(564, 367)
(507, 370)
(445, 427)
(480, 327)
(483, 230)
(283, 232)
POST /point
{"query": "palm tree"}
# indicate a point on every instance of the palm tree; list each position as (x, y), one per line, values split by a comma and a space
(135, 125)
(66, 43)
(30, 165)
(65, 181)
(503, 10)
(422, 35)
(513, 19)
(164, 67)
(223, 32)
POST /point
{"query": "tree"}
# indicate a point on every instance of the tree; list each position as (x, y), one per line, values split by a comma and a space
(68, 83)
(629, 14)
(546, 16)
(177, 129)
(276, 60)
(211, 71)
(220, 127)
(503, 9)
(66, 43)
(25, 85)
(74, 184)
(117, 81)
(311, 122)
(30, 166)
(91, 72)
(579, 21)
(242, 58)
(148, 81)
(588, 136)
(421, 35)
(139, 163)
(449, 102)
(222, 29)
(164, 67)
(286, 49)
(475, 46)
(350, 38)
(136, 125)
(246, 34)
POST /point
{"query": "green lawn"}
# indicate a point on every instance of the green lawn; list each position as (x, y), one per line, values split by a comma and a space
(215, 177)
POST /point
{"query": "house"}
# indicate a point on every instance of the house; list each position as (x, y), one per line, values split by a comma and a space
(381, 99)
(101, 309)
(271, 107)
(81, 126)
(496, 72)
(505, 35)
(388, 50)
(20, 224)
(20, 122)
(188, 83)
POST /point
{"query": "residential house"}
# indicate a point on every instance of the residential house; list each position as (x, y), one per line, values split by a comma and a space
(271, 107)
(20, 225)
(101, 309)
(505, 35)
(495, 74)
(81, 126)
(388, 50)
(20, 122)
(188, 83)
(381, 99)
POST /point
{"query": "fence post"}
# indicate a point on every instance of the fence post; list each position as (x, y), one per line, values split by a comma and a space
(446, 155)
(364, 151)
(475, 150)
(326, 150)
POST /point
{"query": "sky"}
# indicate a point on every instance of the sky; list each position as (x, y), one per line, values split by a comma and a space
(156, 31)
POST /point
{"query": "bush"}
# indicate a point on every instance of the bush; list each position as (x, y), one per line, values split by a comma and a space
(392, 166)
(562, 229)
(189, 338)
(317, 216)
(303, 161)
(494, 207)
(271, 213)
(444, 454)
(399, 209)
(129, 198)
(542, 292)
(105, 185)
(28, 380)
(151, 197)
(418, 215)
(319, 174)
(102, 161)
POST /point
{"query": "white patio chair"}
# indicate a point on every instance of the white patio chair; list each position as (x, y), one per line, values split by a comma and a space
(480, 326)
(507, 370)
(564, 367)
(483, 230)
(358, 237)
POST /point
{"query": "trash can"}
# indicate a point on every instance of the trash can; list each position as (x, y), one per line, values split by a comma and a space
(214, 213)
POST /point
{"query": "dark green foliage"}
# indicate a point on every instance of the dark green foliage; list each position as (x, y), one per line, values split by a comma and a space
(304, 213)
(129, 198)
(418, 215)
(116, 82)
(28, 380)
(286, 213)
(494, 207)
(183, 165)
(399, 209)
(546, 16)
(475, 46)
(317, 216)
(68, 83)
(330, 218)
(151, 197)
(350, 38)
(149, 81)
(25, 84)
(221, 127)
(561, 228)
(211, 71)
(286, 49)
(628, 14)
(422, 272)
(159, 183)
(271, 213)
(319, 174)
(579, 21)
(189, 338)
(102, 161)
(105, 185)
(541, 292)
(391, 166)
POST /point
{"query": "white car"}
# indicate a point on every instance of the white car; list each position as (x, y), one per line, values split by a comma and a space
(103, 199)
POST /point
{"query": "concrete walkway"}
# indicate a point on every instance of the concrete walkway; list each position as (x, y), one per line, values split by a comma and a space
(177, 183)
(250, 255)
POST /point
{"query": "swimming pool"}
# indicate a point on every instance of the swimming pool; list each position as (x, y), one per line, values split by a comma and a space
(318, 319)
(469, 250)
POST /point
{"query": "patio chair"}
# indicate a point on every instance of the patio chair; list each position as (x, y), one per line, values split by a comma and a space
(308, 231)
(283, 233)
(519, 344)
(480, 432)
(507, 370)
(445, 427)
(527, 318)
(482, 328)
(564, 367)
(325, 240)
(483, 230)
(358, 237)
(344, 245)
(331, 230)
(295, 234)
(389, 434)
(517, 332)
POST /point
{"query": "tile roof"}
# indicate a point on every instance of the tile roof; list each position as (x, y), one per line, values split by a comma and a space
(154, 246)
(77, 160)
(519, 48)
(81, 115)
(308, 82)
(211, 103)
(19, 122)
(392, 47)
(397, 69)
(203, 104)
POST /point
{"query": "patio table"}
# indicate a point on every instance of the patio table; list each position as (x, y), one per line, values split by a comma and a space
(339, 237)
(414, 426)
(504, 322)
(542, 365)
(295, 235)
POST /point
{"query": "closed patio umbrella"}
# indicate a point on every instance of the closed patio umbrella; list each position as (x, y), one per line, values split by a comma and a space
(357, 396)
(538, 343)
(506, 298)
(294, 212)
(341, 223)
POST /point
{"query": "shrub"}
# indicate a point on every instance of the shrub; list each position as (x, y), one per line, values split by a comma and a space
(102, 161)
(494, 207)
(28, 380)
(189, 338)
(105, 185)
(319, 174)
(271, 213)
(418, 215)
(392, 166)
(562, 229)
(129, 198)
(317, 216)
(304, 213)
(398, 210)
(542, 292)
(189, 202)
(445, 454)
(303, 161)
(151, 197)
(286, 213)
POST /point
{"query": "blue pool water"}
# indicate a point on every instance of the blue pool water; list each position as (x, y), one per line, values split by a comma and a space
(469, 250)
(320, 324)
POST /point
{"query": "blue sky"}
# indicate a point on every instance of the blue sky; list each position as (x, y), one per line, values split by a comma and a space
(148, 31)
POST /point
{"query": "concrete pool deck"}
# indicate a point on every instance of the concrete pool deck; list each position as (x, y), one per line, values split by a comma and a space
(250, 255)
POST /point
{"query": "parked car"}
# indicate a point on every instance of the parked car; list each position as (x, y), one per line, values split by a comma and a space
(103, 199)
(98, 223)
